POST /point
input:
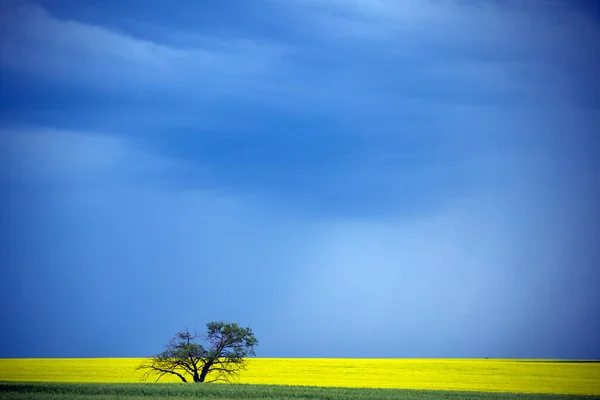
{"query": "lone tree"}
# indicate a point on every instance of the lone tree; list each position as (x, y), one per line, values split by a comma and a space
(228, 346)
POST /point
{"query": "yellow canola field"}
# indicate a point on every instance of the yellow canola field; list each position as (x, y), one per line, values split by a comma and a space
(524, 376)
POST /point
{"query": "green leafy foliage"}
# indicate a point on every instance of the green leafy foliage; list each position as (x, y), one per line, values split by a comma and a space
(227, 346)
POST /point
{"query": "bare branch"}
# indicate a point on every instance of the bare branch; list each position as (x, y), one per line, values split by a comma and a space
(223, 360)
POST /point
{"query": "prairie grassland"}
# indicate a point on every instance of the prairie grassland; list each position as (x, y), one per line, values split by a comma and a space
(180, 391)
(478, 375)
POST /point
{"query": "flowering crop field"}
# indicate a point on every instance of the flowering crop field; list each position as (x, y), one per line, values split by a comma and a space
(479, 375)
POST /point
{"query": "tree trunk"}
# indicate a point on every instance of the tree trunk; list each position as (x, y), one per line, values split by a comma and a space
(196, 377)
(204, 372)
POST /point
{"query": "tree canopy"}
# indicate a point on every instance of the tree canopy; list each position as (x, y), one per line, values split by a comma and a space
(227, 346)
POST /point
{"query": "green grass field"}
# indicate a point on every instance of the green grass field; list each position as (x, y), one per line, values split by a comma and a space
(173, 391)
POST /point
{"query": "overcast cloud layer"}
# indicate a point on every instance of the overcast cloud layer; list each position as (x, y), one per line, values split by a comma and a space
(351, 178)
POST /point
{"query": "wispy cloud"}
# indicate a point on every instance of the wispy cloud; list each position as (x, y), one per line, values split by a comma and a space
(37, 42)
(464, 51)
(402, 51)
(63, 160)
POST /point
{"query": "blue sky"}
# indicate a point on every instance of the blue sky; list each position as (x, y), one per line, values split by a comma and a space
(351, 178)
